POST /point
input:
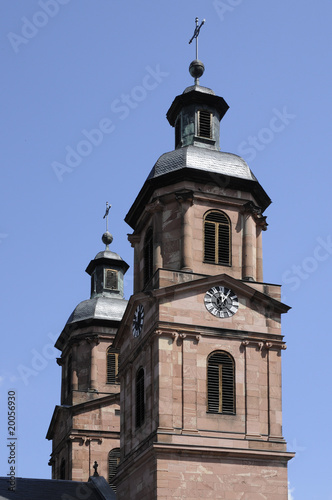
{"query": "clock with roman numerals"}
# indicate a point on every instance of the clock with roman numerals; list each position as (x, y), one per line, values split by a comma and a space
(138, 320)
(221, 302)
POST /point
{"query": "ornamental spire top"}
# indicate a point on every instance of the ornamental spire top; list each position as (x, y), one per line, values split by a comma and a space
(196, 33)
(107, 238)
(196, 68)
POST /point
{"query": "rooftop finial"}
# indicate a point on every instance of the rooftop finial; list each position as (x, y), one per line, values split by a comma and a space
(196, 68)
(196, 33)
(107, 238)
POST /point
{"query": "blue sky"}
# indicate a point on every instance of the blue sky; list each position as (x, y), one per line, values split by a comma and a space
(105, 73)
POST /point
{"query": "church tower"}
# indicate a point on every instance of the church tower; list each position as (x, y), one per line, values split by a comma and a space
(85, 427)
(200, 340)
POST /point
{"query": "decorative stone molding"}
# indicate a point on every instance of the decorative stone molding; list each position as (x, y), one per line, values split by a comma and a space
(93, 340)
(182, 196)
(260, 345)
(166, 333)
(77, 439)
(90, 439)
(256, 212)
(156, 206)
(134, 239)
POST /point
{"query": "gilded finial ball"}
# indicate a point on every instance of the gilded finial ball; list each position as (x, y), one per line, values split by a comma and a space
(107, 238)
(196, 68)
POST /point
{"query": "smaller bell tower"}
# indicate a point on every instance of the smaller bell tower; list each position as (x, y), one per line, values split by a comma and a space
(85, 427)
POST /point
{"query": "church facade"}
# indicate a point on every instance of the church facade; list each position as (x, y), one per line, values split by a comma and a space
(177, 392)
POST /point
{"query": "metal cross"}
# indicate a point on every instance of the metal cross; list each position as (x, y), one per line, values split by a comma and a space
(95, 466)
(196, 33)
(108, 206)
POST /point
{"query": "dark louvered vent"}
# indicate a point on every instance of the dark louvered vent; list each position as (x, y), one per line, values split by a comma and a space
(112, 366)
(217, 238)
(210, 242)
(113, 462)
(111, 279)
(221, 390)
(148, 256)
(204, 124)
(140, 410)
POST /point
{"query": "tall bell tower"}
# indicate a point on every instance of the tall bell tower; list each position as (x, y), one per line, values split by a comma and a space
(200, 341)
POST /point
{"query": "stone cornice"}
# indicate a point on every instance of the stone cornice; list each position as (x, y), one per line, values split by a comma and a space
(141, 454)
(236, 453)
(174, 335)
(261, 345)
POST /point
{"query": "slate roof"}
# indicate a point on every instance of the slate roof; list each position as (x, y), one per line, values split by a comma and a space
(96, 488)
(200, 158)
(108, 308)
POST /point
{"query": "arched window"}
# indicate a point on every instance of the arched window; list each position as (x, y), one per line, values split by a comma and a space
(140, 408)
(148, 255)
(221, 383)
(62, 469)
(113, 462)
(217, 238)
(112, 361)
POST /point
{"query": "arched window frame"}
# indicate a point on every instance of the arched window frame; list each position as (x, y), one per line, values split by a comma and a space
(113, 463)
(112, 366)
(140, 395)
(148, 255)
(217, 238)
(221, 395)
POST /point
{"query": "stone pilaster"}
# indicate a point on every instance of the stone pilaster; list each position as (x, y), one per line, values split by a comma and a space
(185, 200)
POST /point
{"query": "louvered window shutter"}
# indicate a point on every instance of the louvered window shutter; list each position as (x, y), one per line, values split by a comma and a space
(217, 238)
(113, 462)
(112, 366)
(111, 279)
(204, 124)
(221, 383)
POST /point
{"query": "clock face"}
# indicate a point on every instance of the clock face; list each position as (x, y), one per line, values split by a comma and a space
(221, 302)
(138, 320)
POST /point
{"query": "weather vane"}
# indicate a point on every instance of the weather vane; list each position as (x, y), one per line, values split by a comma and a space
(196, 33)
(107, 238)
(108, 206)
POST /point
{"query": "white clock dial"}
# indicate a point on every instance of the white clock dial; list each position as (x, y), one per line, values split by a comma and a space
(138, 321)
(221, 302)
